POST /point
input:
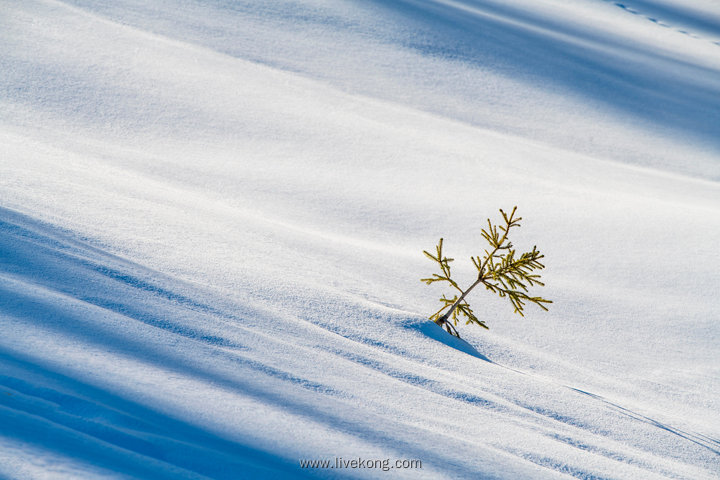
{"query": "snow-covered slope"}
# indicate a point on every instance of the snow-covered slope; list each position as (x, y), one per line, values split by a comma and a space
(212, 218)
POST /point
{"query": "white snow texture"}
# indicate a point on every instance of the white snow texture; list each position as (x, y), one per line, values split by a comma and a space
(212, 217)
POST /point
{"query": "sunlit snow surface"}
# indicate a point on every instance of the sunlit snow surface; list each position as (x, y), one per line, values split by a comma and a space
(212, 215)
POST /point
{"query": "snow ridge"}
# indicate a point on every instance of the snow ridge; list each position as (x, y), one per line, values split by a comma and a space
(212, 216)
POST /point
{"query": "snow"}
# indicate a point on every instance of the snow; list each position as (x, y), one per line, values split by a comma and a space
(212, 217)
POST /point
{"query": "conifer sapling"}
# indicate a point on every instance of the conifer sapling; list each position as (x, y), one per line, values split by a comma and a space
(500, 270)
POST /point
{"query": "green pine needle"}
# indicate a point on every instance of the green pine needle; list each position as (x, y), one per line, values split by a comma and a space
(500, 270)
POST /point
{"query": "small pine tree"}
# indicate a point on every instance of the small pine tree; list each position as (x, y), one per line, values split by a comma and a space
(500, 270)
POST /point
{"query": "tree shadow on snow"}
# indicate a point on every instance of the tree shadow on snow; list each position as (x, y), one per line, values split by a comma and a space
(434, 331)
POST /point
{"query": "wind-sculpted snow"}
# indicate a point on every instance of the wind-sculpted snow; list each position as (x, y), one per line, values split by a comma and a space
(212, 216)
(593, 76)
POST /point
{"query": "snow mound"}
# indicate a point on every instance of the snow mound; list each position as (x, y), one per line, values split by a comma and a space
(212, 216)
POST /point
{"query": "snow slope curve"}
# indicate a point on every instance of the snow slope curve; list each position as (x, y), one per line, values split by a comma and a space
(213, 215)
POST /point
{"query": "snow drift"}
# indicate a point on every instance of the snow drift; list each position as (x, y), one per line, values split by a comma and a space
(213, 215)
